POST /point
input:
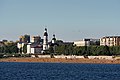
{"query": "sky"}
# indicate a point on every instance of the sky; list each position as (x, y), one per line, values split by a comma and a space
(70, 20)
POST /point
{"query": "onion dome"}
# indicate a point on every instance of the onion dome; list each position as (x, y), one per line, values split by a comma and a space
(45, 33)
(54, 37)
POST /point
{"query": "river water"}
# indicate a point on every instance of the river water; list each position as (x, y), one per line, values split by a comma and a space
(58, 71)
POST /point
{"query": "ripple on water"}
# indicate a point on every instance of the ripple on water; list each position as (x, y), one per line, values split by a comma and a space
(58, 71)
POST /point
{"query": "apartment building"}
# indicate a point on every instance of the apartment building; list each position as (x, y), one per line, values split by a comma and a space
(110, 41)
(87, 42)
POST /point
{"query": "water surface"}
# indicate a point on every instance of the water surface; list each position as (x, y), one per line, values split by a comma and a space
(58, 71)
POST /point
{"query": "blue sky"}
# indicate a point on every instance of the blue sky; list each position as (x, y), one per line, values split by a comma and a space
(69, 19)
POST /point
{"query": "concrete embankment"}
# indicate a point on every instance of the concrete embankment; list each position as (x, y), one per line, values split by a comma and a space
(65, 59)
(61, 60)
(75, 57)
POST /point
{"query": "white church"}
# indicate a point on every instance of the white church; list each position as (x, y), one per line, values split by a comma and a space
(37, 47)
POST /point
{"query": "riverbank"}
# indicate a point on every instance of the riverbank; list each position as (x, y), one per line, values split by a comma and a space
(60, 60)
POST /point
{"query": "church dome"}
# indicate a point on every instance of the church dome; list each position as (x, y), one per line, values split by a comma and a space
(45, 34)
(53, 38)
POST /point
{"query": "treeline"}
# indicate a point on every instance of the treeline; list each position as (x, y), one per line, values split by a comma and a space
(9, 48)
(87, 50)
(12, 48)
(67, 50)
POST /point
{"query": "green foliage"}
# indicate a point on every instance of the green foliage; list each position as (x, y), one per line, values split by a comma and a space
(65, 49)
(1, 55)
(51, 50)
(10, 48)
(87, 50)
(25, 48)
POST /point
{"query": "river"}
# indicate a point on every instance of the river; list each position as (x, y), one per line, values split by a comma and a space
(58, 71)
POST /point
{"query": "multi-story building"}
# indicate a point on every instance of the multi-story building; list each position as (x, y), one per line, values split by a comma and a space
(83, 42)
(36, 39)
(24, 39)
(110, 41)
(87, 42)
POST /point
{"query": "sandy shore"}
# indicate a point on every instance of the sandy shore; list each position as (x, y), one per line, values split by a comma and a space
(60, 60)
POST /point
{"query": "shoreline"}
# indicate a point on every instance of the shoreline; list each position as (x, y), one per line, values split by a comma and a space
(60, 60)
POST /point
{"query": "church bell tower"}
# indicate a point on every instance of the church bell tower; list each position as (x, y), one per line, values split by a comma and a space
(45, 41)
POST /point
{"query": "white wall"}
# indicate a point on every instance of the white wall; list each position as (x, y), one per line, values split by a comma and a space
(36, 50)
(79, 43)
(19, 45)
(82, 43)
(77, 57)
(44, 56)
(32, 50)
(101, 57)
(28, 49)
(69, 56)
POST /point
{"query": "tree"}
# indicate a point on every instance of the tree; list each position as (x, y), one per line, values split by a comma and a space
(25, 48)
(106, 50)
(51, 50)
